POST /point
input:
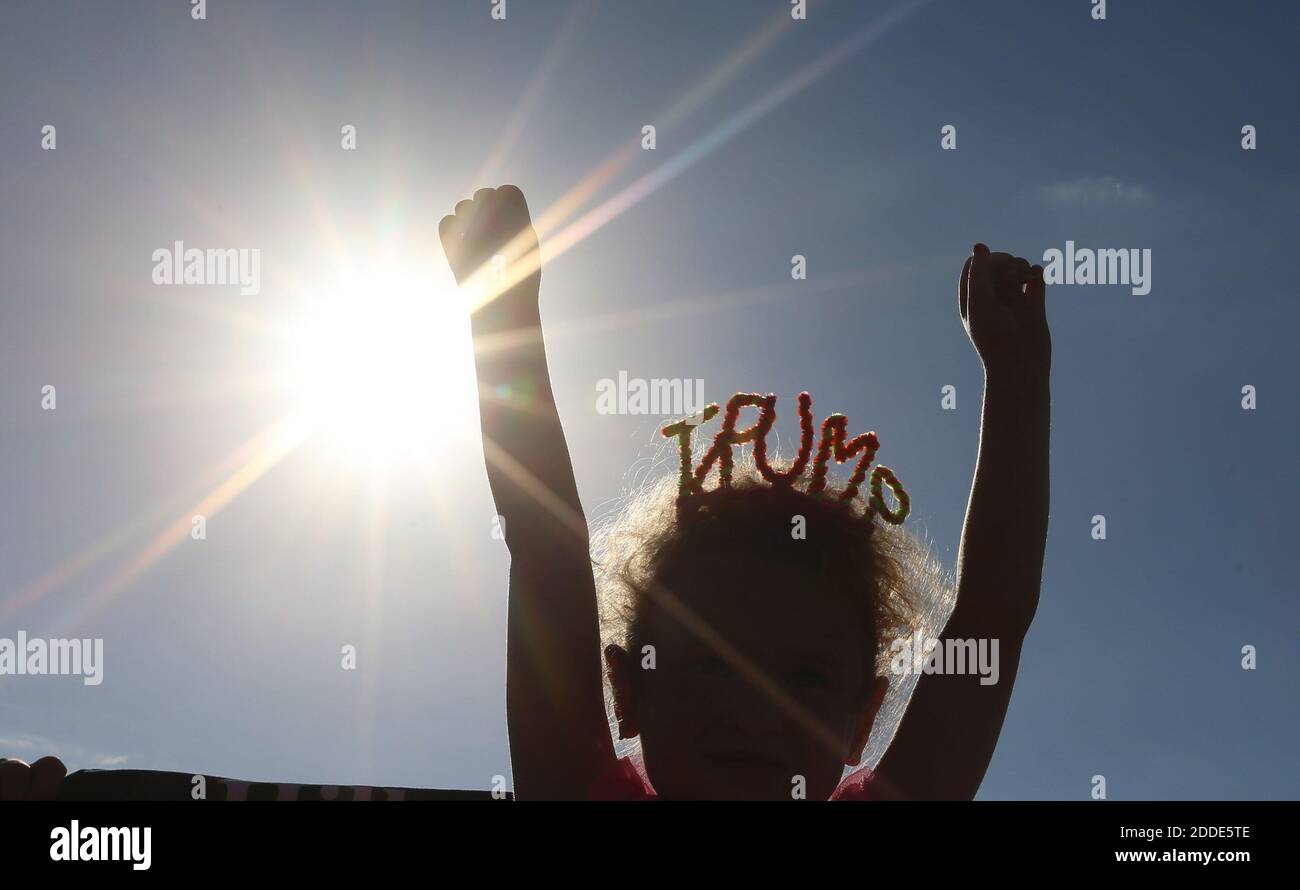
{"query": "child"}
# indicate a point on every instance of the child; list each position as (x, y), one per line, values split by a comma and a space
(747, 659)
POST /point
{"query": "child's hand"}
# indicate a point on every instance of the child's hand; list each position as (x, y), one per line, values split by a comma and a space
(1003, 306)
(491, 246)
(37, 781)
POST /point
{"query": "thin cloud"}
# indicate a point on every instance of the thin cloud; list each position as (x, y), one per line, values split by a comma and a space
(29, 747)
(1093, 191)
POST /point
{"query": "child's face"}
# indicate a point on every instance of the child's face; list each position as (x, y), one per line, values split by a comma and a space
(712, 729)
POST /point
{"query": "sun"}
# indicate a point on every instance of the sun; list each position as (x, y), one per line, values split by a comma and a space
(381, 363)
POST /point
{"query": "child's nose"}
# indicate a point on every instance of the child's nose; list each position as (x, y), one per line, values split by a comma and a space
(757, 708)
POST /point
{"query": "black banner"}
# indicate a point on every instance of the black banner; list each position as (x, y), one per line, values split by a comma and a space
(450, 831)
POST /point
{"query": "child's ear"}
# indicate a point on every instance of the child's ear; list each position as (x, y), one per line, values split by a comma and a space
(866, 718)
(621, 669)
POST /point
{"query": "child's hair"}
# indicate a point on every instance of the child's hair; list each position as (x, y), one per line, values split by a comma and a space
(648, 541)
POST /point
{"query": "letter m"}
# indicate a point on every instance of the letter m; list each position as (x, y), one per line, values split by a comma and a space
(1115, 264)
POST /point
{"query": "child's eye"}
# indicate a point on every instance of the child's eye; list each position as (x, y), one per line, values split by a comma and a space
(709, 665)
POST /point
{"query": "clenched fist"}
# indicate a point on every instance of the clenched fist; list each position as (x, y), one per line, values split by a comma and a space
(1002, 300)
(491, 246)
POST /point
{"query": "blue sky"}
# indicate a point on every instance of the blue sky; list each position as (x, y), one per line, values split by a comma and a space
(222, 655)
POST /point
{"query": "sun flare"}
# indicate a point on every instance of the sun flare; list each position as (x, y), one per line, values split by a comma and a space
(381, 363)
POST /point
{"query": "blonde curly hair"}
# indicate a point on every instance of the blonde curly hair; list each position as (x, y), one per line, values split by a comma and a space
(646, 542)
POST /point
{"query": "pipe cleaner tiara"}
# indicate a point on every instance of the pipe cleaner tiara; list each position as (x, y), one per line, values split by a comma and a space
(834, 434)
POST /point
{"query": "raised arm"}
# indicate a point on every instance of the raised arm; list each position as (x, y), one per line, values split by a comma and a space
(946, 739)
(559, 734)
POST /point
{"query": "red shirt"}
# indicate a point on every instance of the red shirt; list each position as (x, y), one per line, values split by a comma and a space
(626, 781)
